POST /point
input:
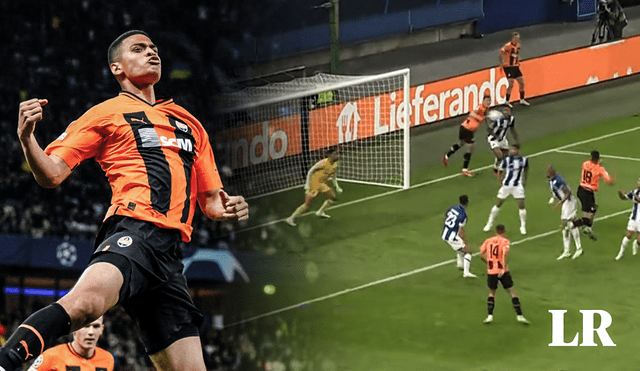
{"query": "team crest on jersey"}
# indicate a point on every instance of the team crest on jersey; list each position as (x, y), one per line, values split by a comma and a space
(182, 126)
(125, 241)
(37, 362)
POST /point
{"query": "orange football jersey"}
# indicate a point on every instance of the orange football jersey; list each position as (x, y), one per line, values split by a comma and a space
(64, 358)
(157, 158)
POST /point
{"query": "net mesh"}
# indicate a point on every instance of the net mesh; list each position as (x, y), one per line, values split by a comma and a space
(267, 138)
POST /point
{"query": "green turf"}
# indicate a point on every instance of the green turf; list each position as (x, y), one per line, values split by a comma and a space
(432, 320)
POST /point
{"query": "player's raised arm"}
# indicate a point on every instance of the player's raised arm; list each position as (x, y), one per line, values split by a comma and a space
(49, 171)
(218, 205)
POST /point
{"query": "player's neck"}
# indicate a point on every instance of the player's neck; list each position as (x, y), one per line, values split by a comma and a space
(145, 92)
(82, 352)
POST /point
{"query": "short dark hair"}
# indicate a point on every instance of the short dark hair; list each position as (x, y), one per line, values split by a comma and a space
(464, 199)
(113, 53)
(515, 145)
(595, 155)
(500, 228)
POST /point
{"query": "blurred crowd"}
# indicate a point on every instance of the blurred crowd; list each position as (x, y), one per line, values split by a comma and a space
(273, 344)
(57, 50)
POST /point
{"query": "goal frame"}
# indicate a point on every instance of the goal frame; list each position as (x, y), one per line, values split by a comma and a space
(353, 81)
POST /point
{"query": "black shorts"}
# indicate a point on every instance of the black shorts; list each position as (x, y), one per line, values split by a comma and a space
(587, 199)
(154, 292)
(512, 72)
(465, 135)
(505, 280)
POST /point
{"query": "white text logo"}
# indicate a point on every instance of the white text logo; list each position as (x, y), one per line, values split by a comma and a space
(557, 329)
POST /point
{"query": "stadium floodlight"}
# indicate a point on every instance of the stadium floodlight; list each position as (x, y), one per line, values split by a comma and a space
(267, 137)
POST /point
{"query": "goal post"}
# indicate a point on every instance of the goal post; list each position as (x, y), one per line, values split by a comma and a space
(266, 138)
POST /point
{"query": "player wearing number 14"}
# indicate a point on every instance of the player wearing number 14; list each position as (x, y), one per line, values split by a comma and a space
(453, 234)
(494, 252)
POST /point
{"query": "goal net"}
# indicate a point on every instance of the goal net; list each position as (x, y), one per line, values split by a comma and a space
(267, 138)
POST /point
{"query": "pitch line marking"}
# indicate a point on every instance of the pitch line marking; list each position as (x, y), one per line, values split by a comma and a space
(438, 180)
(401, 275)
(601, 155)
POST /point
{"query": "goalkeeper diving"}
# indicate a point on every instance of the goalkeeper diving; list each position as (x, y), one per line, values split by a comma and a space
(321, 179)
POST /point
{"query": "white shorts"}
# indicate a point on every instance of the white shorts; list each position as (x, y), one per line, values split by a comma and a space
(506, 191)
(455, 243)
(502, 144)
(634, 226)
(569, 209)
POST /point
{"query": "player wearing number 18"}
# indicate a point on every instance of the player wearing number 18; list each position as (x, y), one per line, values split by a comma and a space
(494, 252)
(592, 170)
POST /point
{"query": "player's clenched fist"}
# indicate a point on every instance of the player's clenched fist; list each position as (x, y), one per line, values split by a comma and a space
(236, 208)
(30, 112)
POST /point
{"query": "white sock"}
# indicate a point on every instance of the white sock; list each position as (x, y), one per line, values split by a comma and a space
(566, 239)
(635, 244)
(492, 216)
(467, 263)
(575, 232)
(459, 258)
(523, 217)
(625, 242)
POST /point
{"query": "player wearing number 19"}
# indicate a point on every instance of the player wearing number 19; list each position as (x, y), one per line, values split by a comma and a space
(494, 252)
(453, 234)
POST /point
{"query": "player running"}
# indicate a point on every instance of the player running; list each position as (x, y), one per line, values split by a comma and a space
(465, 135)
(513, 174)
(510, 61)
(494, 252)
(80, 354)
(497, 134)
(562, 196)
(453, 233)
(320, 180)
(592, 170)
(633, 227)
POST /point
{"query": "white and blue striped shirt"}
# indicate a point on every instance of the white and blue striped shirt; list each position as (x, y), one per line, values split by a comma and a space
(514, 166)
(455, 218)
(499, 127)
(634, 196)
(558, 184)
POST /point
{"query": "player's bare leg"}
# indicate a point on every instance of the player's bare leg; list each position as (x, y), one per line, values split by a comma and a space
(300, 210)
(625, 241)
(520, 81)
(96, 291)
(492, 215)
(523, 215)
(183, 355)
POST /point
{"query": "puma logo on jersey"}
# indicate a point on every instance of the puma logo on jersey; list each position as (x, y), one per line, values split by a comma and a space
(182, 143)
